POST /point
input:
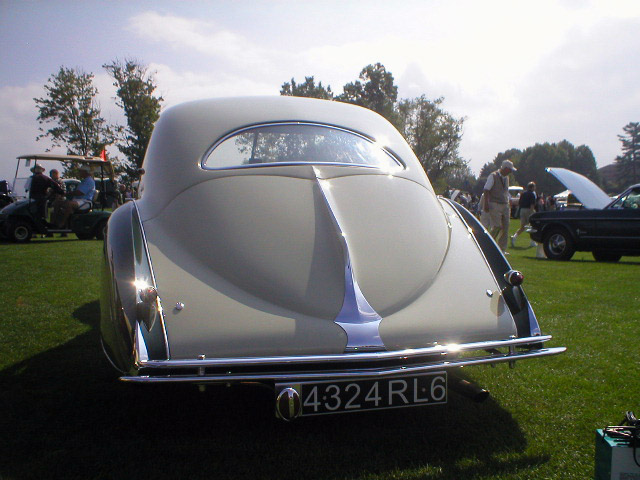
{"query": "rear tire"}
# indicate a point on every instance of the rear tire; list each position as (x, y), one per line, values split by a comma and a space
(558, 244)
(601, 256)
(20, 231)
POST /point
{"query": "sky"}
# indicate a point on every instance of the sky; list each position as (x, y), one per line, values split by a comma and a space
(519, 72)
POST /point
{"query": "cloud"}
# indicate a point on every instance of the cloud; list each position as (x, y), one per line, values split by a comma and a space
(18, 125)
(203, 37)
(584, 87)
(177, 87)
(585, 91)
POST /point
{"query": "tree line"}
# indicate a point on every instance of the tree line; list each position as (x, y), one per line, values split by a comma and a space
(69, 115)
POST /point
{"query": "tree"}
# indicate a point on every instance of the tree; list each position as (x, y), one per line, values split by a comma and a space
(306, 89)
(72, 113)
(434, 135)
(488, 168)
(581, 160)
(135, 87)
(512, 154)
(534, 161)
(462, 178)
(375, 90)
(629, 162)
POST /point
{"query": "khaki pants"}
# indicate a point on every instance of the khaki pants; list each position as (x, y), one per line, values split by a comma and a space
(525, 213)
(496, 221)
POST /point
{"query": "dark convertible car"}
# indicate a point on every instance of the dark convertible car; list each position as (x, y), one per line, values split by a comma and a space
(609, 229)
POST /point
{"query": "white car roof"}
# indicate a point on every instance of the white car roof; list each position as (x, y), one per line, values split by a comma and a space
(185, 133)
(587, 192)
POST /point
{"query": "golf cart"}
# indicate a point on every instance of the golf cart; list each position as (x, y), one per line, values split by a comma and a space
(5, 194)
(19, 221)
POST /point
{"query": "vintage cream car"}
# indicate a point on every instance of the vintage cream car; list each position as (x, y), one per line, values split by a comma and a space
(298, 243)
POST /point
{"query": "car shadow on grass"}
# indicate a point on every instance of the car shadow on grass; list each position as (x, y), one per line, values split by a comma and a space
(65, 415)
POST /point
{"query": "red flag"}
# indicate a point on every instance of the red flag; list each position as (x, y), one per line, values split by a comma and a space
(103, 155)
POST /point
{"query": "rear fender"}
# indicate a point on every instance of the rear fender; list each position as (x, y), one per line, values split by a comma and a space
(124, 267)
(514, 296)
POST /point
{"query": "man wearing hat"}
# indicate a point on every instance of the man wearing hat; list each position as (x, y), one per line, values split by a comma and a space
(38, 187)
(81, 195)
(495, 204)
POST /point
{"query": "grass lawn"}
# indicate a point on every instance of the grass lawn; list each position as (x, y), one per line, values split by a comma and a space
(63, 414)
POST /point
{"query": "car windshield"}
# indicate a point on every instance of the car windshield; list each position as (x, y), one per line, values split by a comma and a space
(295, 143)
(629, 199)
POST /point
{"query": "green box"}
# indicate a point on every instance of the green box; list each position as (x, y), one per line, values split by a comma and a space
(614, 459)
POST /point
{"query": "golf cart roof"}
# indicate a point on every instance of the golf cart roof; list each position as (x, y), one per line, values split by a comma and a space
(87, 160)
(62, 158)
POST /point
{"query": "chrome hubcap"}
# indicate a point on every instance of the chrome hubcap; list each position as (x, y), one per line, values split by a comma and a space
(21, 233)
(557, 243)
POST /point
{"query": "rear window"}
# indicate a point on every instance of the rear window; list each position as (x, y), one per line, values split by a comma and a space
(296, 143)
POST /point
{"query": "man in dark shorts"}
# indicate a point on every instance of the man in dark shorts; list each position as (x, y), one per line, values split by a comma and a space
(527, 204)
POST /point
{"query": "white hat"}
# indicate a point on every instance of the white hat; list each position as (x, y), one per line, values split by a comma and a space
(37, 166)
(509, 164)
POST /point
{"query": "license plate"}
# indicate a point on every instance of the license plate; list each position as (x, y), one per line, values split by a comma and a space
(318, 398)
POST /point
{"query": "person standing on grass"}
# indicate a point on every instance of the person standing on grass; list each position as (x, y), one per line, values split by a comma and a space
(527, 204)
(38, 189)
(495, 204)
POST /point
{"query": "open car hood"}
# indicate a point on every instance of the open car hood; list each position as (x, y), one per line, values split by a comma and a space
(587, 192)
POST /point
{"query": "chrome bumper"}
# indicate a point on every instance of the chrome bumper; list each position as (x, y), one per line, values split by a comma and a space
(343, 366)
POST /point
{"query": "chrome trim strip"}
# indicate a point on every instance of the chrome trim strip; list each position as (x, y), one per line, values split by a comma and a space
(153, 279)
(354, 374)
(293, 164)
(279, 124)
(141, 354)
(357, 317)
(534, 326)
(344, 357)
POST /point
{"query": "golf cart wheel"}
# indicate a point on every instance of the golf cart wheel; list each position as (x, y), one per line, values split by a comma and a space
(20, 231)
(601, 256)
(101, 230)
(558, 244)
(84, 236)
